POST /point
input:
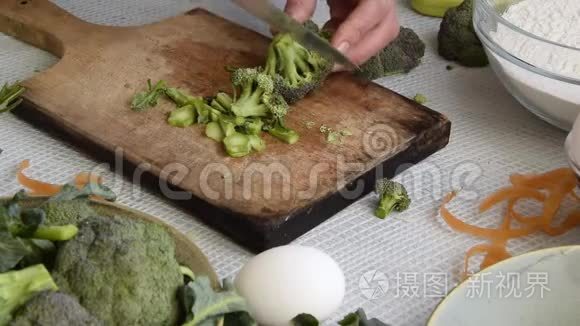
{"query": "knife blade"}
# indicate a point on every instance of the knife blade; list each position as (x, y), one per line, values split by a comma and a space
(276, 18)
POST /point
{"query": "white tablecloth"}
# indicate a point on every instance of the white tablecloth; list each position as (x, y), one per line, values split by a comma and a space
(392, 266)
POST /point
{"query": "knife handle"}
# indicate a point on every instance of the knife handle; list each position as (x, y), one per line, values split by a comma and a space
(41, 24)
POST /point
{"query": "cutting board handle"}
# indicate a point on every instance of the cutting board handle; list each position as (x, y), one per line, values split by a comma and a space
(41, 23)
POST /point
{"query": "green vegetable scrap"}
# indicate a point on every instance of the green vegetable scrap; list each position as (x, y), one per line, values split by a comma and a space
(333, 136)
(10, 97)
(457, 38)
(17, 287)
(296, 70)
(149, 98)
(54, 308)
(420, 98)
(310, 124)
(400, 56)
(357, 318)
(392, 196)
(205, 306)
(124, 272)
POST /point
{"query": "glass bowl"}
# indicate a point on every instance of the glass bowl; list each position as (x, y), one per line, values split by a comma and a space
(524, 63)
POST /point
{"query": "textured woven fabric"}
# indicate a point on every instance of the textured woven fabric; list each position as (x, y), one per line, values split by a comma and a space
(396, 269)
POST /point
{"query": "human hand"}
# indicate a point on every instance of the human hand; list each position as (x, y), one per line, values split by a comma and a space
(362, 28)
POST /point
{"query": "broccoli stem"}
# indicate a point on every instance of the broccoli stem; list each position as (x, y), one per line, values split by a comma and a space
(257, 143)
(214, 131)
(56, 233)
(17, 287)
(237, 145)
(182, 117)
(386, 206)
(180, 98)
(224, 100)
(284, 134)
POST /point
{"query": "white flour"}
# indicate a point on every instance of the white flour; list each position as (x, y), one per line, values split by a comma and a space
(557, 21)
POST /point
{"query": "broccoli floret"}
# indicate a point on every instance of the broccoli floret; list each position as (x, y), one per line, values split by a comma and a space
(296, 70)
(401, 56)
(457, 38)
(67, 212)
(17, 287)
(54, 309)
(124, 272)
(392, 196)
(256, 93)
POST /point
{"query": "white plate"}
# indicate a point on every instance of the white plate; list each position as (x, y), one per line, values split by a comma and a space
(538, 288)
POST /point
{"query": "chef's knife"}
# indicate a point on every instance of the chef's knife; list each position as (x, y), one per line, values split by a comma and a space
(276, 18)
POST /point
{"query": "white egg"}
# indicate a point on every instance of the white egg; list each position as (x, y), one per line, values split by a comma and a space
(283, 282)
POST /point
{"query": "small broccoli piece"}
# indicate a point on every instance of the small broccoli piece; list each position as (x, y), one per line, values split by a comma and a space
(401, 56)
(17, 287)
(179, 97)
(214, 131)
(457, 38)
(257, 143)
(10, 97)
(237, 145)
(296, 70)
(124, 272)
(149, 98)
(182, 117)
(284, 134)
(54, 309)
(420, 98)
(393, 196)
(252, 126)
(257, 97)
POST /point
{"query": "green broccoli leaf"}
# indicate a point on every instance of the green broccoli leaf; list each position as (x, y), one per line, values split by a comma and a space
(305, 320)
(10, 97)
(149, 98)
(70, 192)
(205, 306)
(12, 251)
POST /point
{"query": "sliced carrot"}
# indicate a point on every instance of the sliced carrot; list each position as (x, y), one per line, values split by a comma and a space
(477, 231)
(571, 222)
(541, 181)
(36, 188)
(510, 194)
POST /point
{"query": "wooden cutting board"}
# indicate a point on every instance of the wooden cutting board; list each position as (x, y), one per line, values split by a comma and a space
(261, 201)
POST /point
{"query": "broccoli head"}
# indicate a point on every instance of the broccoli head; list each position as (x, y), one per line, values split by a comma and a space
(257, 97)
(401, 56)
(392, 196)
(123, 272)
(296, 70)
(457, 38)
(55, 309)
(17, 287)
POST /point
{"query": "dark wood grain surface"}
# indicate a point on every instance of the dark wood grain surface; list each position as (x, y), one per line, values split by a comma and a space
(263, 200)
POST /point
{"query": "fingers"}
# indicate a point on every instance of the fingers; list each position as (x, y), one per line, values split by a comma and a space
(375, 40)
(301, 10)
(366, 30)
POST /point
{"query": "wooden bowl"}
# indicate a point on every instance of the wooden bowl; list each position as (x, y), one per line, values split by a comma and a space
(187, 253)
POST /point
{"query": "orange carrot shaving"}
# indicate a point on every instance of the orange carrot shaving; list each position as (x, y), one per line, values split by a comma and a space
(39, 188)
(36, 188)
(550, 189)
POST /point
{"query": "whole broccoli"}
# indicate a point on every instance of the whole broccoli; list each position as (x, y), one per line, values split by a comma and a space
(401, 56)
(392, 196)
(54, 309)
(457, 38)
(124, 272)
(17, 287)
(296, 70)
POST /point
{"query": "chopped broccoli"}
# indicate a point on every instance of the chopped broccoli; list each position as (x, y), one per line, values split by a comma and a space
(401, 56)
(237, 145)
(283, 133)
(10, 97)
(149, 98)
(457, 38)
(393, 196)
(296, 70)
(182, 117)
(55, 309)
(17, 287)
(257, 97)
(124, 272)
(214, 131)
(179, 97)
(420, 98)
